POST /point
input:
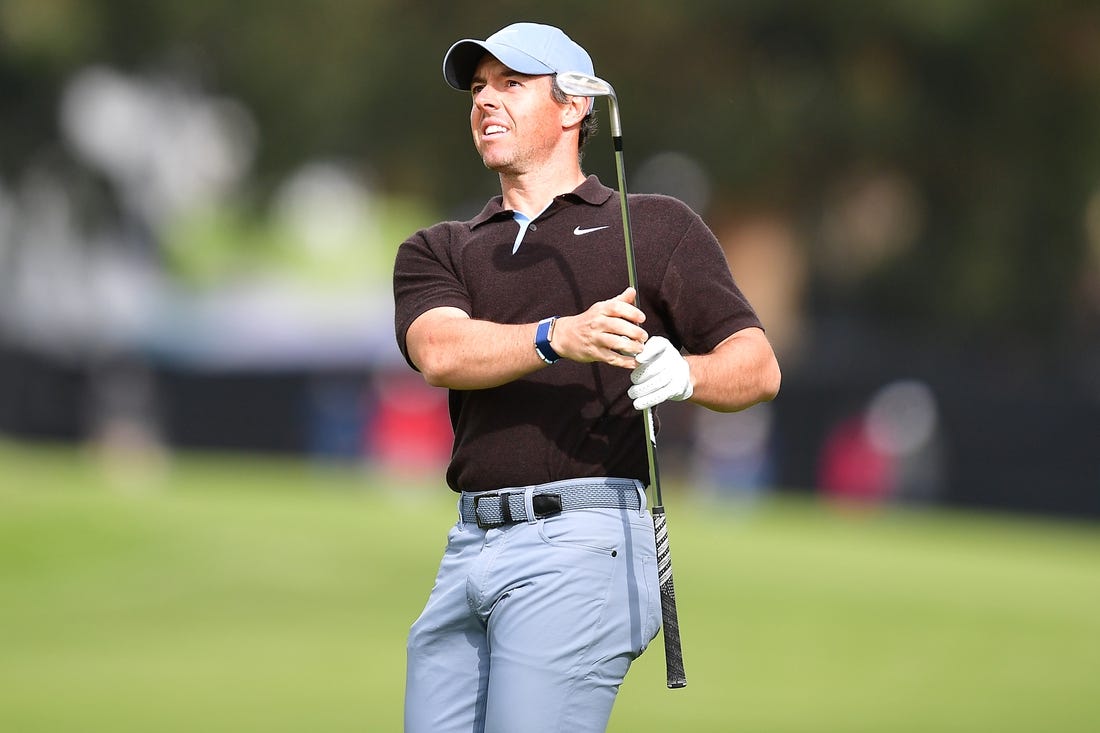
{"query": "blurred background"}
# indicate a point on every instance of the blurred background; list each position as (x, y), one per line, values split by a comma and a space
(221, 495)
(200, 202)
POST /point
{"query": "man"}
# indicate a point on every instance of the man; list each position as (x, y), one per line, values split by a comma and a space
(548, 587)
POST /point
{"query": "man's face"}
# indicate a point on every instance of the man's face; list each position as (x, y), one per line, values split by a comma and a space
(516, 124)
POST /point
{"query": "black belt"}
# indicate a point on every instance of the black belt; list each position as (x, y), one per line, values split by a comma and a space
(491, 509)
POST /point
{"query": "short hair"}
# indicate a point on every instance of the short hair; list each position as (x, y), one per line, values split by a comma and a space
(589, 125)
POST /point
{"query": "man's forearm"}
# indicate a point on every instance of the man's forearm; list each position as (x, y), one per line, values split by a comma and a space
(455, 351)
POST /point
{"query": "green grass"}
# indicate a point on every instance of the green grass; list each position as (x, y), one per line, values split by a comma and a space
(234, 594)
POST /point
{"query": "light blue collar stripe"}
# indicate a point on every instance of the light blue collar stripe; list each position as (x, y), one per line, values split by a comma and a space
(524, 221)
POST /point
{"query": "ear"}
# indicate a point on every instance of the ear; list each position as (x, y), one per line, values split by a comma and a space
(575, 110)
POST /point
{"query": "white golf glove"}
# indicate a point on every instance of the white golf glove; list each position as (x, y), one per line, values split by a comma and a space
(662, 374)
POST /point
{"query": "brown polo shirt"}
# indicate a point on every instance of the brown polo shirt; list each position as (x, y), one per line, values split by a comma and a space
(568, 420)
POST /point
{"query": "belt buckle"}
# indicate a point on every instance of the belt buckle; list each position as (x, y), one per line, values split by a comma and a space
(505, 510)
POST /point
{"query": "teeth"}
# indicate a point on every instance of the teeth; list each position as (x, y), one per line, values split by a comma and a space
(494, 129)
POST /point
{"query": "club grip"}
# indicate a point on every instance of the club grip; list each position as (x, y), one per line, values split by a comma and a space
(674, 653)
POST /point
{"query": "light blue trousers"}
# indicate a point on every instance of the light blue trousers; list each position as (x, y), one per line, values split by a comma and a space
(531, 627)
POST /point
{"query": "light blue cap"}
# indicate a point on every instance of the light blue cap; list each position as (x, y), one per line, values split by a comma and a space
(529, 48)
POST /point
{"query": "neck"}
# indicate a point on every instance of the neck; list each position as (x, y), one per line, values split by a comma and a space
(533, 191)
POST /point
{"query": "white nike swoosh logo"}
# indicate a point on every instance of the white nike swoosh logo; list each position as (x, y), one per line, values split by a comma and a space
(579, 231)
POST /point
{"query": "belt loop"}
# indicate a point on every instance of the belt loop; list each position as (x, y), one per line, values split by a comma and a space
(640, 488)
(461, 519)
(529, 504)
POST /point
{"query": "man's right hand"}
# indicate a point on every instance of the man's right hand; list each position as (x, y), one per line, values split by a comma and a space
(607, 332)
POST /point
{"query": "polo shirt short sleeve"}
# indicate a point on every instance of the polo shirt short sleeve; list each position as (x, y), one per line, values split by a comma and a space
(569, 420)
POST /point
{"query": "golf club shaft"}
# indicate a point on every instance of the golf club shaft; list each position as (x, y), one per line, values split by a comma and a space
(674, 654)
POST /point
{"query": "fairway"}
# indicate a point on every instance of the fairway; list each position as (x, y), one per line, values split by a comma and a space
(247, 594)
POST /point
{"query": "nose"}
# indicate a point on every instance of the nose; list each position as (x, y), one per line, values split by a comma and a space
(485, 98)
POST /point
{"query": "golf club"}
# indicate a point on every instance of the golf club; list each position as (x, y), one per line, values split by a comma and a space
(583, 85)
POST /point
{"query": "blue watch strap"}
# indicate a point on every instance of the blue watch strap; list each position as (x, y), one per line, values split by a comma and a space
(542, 340)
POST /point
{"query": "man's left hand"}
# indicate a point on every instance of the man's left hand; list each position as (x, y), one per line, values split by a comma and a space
(662, 374)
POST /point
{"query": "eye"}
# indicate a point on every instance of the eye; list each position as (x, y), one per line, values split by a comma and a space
(476, 88)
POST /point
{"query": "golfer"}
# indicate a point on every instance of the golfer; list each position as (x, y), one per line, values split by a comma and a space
(548, 589)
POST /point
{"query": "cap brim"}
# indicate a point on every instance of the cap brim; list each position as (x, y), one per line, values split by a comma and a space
(463, 57)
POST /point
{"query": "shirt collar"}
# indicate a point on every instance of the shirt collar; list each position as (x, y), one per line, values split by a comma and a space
(591, 192)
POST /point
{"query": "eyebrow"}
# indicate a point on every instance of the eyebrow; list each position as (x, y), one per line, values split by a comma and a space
(508, 74)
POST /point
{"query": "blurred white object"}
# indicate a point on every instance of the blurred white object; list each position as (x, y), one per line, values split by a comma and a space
(902, 417)
(168, 148)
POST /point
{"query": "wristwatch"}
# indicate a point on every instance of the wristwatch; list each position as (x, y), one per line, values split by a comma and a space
(543, 334)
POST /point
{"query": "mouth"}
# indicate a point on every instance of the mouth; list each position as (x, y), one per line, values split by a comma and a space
(493, 130)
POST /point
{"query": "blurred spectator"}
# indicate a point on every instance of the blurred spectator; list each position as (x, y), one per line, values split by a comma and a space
(852, 468)
(410, 432)
(336, 416)
(124, 424)
(734, 454)
(770, 263)
(889, 451)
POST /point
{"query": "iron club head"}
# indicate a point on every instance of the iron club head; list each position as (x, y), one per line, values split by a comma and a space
(584, 85)
(578, 84)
